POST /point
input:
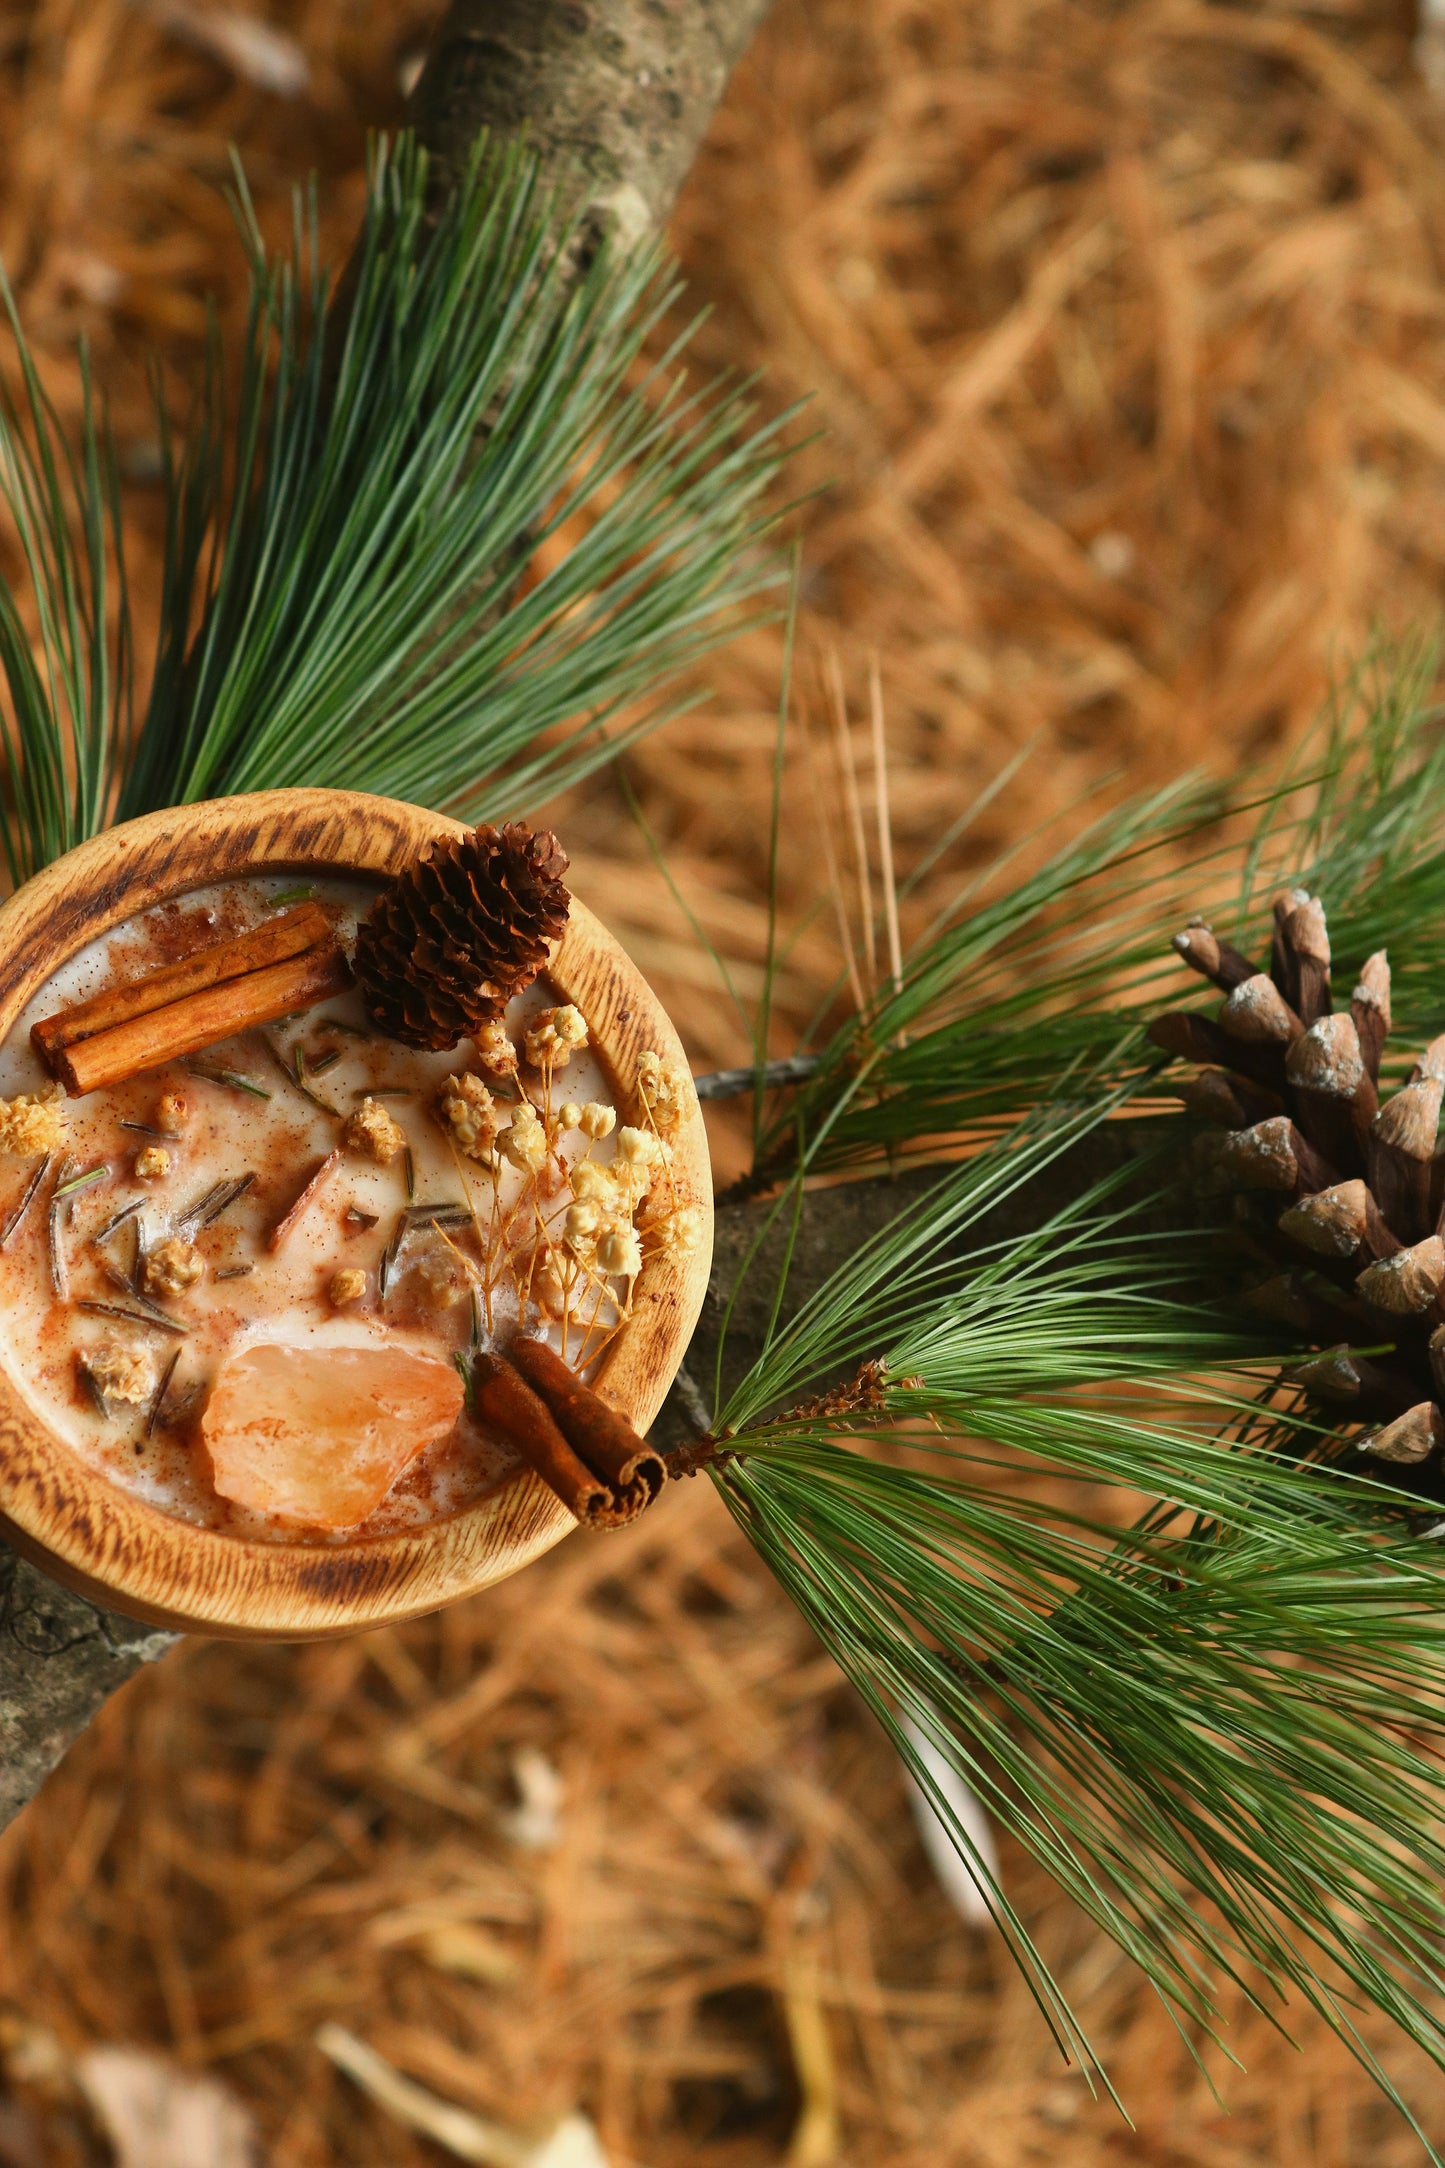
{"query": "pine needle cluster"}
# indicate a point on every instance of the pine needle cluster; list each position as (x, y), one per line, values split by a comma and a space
(1021, 985)
(452, 529)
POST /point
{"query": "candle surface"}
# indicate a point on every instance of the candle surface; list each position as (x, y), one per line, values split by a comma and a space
(121, 1364)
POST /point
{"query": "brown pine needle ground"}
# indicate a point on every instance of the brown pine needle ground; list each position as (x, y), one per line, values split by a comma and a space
(1127, 332)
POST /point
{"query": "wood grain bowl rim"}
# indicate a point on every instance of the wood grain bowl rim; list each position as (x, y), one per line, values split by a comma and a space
(115, 1548)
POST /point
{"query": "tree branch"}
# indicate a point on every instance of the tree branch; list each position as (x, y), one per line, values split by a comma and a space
(613, 94)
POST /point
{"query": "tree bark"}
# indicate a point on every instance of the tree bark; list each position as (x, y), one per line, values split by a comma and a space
(613, 94)
(60, 1658)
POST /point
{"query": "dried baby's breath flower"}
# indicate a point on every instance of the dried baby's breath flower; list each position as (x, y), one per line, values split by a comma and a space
(556, 1282)
(619, 1251)
(554, 1036)
(681, 1232)
(152, 1162)
(120, 1373)
(524, 1141)
(592, 1183)
(638, 1152)
(495, 1050)
(597, 1120)
(173, 1111)
(569, 1115)
(662, 1086)
(33, 1122)
(472, 1116)
(583, 1224)
(348, 1285)
(370, 1129)
(172, 1266)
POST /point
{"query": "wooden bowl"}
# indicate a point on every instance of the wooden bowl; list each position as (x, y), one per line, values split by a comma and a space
(124, 1553)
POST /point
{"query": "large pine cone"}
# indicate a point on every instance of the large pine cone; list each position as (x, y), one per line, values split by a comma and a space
(1344, 1193)
(446, 946)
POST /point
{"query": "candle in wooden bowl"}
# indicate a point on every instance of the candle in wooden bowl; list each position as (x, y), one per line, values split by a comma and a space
(263, 1266)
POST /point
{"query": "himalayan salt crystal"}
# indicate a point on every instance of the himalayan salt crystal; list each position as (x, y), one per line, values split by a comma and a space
(319, 1435)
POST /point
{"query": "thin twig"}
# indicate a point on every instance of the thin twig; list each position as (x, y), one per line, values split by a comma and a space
(732, 1083)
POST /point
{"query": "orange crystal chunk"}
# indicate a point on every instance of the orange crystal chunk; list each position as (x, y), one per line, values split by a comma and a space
(319, 1435)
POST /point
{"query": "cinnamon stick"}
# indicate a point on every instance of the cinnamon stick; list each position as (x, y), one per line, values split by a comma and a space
(504, 1399)
(200, 1018)
(604, 1440)
(289, 933)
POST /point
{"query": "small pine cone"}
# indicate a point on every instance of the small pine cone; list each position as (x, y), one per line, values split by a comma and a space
(447, 945)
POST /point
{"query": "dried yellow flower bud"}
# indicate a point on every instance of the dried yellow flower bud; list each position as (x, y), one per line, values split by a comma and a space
(569, 1115)
(637, 1153)
(152, 1162)
(593, 1183)
(663, 1087)
(554, 1036)
(172, 1267)
(495, 1050)
(597, 1120)
(32, 1123)
(619, 1251)
(371, 1130)
(524, 1142)
(348, 1285)
(120, 1373)
(681, 1232)
(472, 1116)
(582, 1225)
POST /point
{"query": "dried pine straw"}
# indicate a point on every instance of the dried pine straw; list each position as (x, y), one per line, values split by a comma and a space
(1127, 328)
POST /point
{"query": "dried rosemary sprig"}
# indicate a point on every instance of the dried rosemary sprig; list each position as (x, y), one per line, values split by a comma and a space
(137, 1313)
(27, 1197)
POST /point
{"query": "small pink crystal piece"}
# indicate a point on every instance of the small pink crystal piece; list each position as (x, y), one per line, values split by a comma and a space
(318, 1435)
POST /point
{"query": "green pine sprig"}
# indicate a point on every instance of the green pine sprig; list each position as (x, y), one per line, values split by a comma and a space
(1021, 985)
(1216, 1724)
(448, 546)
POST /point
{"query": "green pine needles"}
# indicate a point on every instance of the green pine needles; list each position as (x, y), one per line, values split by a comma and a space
(1022, 984)
(1215, 1723)
(454, 529)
